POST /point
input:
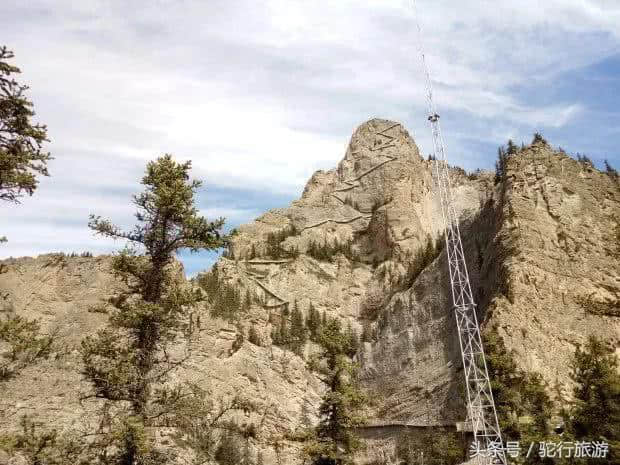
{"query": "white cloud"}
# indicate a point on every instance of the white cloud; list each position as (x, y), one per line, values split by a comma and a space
(261, 94)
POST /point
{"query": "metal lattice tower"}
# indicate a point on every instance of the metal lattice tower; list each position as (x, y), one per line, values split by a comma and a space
(480, 403)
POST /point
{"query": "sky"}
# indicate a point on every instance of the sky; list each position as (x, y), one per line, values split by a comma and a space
(259, 94)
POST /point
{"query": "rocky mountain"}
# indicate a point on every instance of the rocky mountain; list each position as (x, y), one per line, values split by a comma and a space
(543, 254)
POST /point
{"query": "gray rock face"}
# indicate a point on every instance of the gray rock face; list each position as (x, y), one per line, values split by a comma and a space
(541, 255)
(559, 256)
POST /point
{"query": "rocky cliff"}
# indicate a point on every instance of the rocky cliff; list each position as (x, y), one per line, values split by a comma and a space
(542, 250)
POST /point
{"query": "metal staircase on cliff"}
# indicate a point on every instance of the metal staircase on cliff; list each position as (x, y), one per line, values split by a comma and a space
(480, 403)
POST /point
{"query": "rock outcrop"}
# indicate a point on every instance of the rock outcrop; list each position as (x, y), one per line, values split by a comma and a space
(542, 251)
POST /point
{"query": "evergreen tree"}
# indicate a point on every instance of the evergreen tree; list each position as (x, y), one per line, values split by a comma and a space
(299, 335)
(430, 448)
(127, 362)
(610, 170)
(429, 252)
(283, 333)
(538, 139)
(421, 259)
(352, 341)
(253, 336)
(511, 148)
(247, 455)
(21, 141)
(366, 333)
(229, 450)
(304, 417)
(518, 395)
(335, 442)
(596, 413)
(247, 303)
(500, 164)
(313, 322)
(584, 159)
(224, 298)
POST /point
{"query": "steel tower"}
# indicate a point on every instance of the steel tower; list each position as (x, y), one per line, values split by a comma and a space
(480, 403)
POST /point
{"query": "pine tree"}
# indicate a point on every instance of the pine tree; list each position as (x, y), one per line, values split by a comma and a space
(304, 417)
(247, 456)
(538, 139)
(352, 341)
(517, 394)
(21, 142)
(596, 413)
(335, 442)
(366, 333)
(429, 252)
(584, 159)
(284, 333)
(299, 335)
(512, 148)
(500, 165)
(229, 450)
(610, 170)
(430, 447)
(127, 363)
(313, 322)
(247, 303)
(253, 336)
(275, 336)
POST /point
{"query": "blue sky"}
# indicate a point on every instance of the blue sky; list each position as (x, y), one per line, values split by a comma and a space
(259, 95)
